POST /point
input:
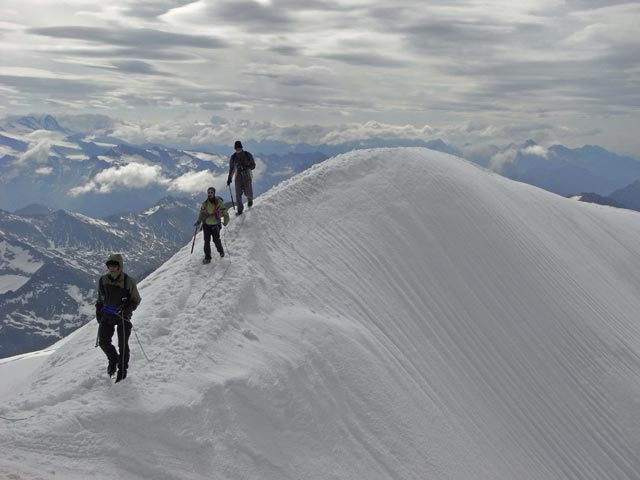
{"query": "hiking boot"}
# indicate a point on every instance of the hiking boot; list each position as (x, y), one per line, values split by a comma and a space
(239, 212)
(206, 260)
(122, 374)
(221, 254)
(250, 203)
(111, 369)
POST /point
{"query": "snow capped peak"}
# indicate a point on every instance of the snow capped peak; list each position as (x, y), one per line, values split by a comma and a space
(32, 122)
(388, 313)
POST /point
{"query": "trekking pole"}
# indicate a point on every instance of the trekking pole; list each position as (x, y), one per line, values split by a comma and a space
(125, 346)
(232, 202)
(97, 337)
(138, 338)
(194, 238)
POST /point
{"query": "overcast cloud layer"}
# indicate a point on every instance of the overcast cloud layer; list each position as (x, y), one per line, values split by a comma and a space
(555, 71)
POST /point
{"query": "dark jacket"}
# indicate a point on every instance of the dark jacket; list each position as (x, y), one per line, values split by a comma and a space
(114, 293)
(240, 162)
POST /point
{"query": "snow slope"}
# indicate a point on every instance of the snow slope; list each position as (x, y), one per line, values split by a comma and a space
(387, 314)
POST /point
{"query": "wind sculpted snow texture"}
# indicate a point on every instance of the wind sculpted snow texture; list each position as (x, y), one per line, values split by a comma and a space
(387, 314)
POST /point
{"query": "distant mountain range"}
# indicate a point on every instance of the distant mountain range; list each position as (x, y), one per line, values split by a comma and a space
(604, 177)
(628, 196)
(563, 170)
(50, 262)
(50, 257)
(595, 198)
(26, 124)
(42, 162)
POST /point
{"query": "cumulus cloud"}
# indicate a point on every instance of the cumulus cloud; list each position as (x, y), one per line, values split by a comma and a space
(500, 160)
(37, 153)
(260, 169)
(472, 135)
(44, 171)
(220, 131)
(196, 182)
(537, 150)
(223, 131)
(371, 130)
(6, 150)
(137, 175)
(39, 150)
(127, 177)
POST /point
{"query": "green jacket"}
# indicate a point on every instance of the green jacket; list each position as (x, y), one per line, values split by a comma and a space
(108, 290)
(212, 212)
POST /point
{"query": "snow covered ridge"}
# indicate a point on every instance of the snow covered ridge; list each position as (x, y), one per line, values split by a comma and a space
(387, 314)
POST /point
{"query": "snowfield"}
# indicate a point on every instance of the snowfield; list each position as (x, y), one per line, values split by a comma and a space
(387, 314)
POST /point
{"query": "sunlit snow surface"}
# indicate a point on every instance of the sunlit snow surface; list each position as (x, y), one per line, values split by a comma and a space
(387, 314)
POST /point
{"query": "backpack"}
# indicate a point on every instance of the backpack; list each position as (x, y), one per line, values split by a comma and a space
(246, 162)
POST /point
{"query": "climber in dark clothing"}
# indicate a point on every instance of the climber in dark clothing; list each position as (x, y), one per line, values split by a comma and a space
(118, 297)
(242, 163)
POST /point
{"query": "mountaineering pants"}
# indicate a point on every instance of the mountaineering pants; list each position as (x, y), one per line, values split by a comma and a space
(107, 326)
(243, 185)
(211, 231)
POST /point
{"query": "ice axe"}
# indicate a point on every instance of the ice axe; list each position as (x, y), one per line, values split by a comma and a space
(232, 202)
(194, 237)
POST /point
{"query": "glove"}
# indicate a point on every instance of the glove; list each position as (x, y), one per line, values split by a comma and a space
(127, 310)
(228, 182)
(98, 312)
(225, 223)
(196, 224)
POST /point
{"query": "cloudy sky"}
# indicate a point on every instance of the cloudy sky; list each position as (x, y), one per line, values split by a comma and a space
(462, 70)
